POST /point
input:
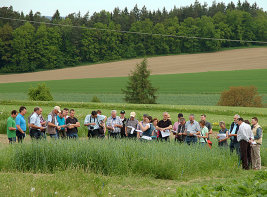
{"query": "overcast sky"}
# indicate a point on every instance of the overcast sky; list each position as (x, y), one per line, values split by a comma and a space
(65, 7)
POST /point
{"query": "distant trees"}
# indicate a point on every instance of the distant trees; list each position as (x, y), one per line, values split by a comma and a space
(28, 47)
(40, 93)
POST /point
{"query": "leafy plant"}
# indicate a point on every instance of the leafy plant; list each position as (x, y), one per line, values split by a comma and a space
(40, 93)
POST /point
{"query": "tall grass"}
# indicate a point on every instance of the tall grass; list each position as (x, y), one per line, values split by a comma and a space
(118, 157)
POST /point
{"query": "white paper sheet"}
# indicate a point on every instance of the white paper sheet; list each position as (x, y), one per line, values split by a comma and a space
(166, 133)
(146, 138)
(221, 136)
(139, 131)
(132, 129)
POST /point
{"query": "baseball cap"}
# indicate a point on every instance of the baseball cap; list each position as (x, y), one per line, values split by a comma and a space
(132, 114)
(122, 112)
(57, 108)
(145, 115)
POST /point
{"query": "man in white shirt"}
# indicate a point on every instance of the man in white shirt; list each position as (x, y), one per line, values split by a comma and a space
(35, 124)
(94, 123)
(244, 137)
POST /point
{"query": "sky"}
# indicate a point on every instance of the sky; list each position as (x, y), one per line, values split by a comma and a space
(65, 7)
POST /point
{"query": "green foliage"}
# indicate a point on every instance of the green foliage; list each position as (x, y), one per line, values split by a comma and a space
(241, 96)
(40, 93)
(139, 88)
(95, 99)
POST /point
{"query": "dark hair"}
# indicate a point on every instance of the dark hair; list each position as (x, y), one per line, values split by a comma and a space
(21, 108)
(99, 111)
(182, 119)
(180, 115)
(14, 112)
(240, 119)
(71, 110)
(204, 115)
(255, 118)
(94, 113)
(202, 122)
(155, 119)
(36, 109)
(66, 109)
(149, 118)
(246, 121)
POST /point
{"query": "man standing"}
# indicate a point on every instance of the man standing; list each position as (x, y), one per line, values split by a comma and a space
(72, 125)
(131, 126)
(192, 129)
(35, 124)
(244, 137)
(114, 125)
(234, 145)
(94, 124)
(52, 125)
(11, 127)
(164, 126)
(255, 148)
(62, 123)
(21, 124)
(176, 124)
(123, 120)
(181, 134)
(207, 124)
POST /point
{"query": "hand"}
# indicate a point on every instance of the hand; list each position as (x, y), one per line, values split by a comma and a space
(42, 128)
(58, 127)
(179, 133)
(191, 134)
(199, 136)
(126, 134)
(93, 124)
(217, 137)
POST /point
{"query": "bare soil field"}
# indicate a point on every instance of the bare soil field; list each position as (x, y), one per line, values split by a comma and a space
(237, 59)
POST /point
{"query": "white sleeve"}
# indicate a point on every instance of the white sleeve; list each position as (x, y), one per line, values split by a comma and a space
(32, 119)
(86, 120)
(49, 118)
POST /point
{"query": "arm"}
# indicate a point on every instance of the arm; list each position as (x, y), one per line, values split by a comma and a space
(225, 139)
(258, 134)
(20, 130)
(143, 128)
(9, 125)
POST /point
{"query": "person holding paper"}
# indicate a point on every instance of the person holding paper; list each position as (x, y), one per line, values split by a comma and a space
(144, 126)
(204, 133)
(234, 144)
(192, 128)
(181, 134)
(155, 132)
(114, 125)
(223, 135)
(131, 126)
(164, 126)
(255, 147)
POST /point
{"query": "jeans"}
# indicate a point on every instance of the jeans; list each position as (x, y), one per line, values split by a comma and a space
(12, 140)
(72, 135)
(114, 135)
(54, 136)
(245, 152)
(191, 140)
(35, 134)
(93, 133)
(20, 136)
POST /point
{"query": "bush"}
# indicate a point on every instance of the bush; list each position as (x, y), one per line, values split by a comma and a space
(243, 96)
(95, 99)
(40, 93)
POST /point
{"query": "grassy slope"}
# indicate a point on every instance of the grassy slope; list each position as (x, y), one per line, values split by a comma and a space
(192, 88)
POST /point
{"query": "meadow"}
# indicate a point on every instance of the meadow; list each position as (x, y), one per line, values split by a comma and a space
(182, 89)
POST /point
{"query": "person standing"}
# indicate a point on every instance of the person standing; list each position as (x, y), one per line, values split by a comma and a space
(207, 124)
(234, 144)
(21, 124)
(145, 126)
(62, 123)
(164, 126)
(192, 129)
(52, 123)
(181, 134)
(223, 130)
(255, 147)
(123, 120)
(204, 133)
(114, 125)
(11, 127)
(94, 124)
(154, 135)
(72, 125)
(244, 137)
(35, 124)
(131, 124)
(176, 124)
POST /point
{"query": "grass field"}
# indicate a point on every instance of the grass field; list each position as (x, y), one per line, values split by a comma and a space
(184, 89)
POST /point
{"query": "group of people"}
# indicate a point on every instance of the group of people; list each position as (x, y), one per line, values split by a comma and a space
(245, 139)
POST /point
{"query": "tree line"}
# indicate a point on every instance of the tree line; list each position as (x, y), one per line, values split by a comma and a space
(26, 46)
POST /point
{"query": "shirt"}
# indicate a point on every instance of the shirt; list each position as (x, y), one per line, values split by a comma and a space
(208, 125)
(35, 119)
(147, 132)
(61, 122)
(192, 128)
(175, 126)
(244, 132)
(164, 124)
(21, 122)
(112, 121)
(49, 119)
(131, 123)
(97, 120)
(204, 131)
(72, 121)
(11, 123)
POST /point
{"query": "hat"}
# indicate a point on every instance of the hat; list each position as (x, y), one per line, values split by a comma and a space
(132, 114)
(145, 115)
(57, 108)
(122, 112)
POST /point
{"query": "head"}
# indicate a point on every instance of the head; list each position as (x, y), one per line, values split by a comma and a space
(66, 111)
(145, 118)
(93, 114)
(113, 113)
(61, 114)
(254, 121)
(165, 116)
(56, 109)
(14, 113)
(122, 113)
(149, 119)
(155, 122)
(39, 111)
(132, 115)
(203, 117)
(202, 123)
(192, 117)
(180, 115)
(247, 121)
(240, 121)
(222, 124)
(22, 110)
(99, 112)
(182, 121)
(235, 118)
(72, 113)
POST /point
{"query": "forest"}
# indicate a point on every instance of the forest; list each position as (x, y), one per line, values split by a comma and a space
(32, 42)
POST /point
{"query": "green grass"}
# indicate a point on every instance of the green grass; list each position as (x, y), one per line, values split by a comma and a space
(190, 88)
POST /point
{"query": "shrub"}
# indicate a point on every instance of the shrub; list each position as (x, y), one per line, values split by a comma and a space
(95, 99)
(243, 96)
(40, 93)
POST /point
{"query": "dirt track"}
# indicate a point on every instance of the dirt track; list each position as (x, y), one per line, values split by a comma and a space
(238, 59)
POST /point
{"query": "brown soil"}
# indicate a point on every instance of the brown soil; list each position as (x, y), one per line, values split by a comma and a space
(238, 59)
